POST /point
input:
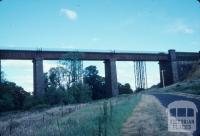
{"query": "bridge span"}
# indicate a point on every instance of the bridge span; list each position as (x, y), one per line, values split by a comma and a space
(173, 65)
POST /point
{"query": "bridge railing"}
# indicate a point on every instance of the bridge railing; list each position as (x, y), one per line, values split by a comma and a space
(77, 50)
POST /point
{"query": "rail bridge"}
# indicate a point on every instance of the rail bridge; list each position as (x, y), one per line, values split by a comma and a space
(173, 65)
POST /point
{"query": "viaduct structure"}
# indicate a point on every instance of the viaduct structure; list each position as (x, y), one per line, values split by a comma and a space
(174, 66)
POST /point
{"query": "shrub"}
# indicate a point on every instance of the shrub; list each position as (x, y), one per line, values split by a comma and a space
(80, 92)
(77, 93)
(12, 97)
(139, 90)
(40, 107)
(125, 89)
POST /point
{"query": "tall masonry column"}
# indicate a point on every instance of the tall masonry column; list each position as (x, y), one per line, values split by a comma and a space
(165, 73)
(169, 70)
(38, 77)
(111, 78)
(174, 67)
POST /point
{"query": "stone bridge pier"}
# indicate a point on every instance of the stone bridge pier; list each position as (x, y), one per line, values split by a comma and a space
(111, 78)
(38, 77)
(174, 69)
(168, 69)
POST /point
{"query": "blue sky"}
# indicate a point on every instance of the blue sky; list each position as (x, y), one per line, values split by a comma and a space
(132, 25)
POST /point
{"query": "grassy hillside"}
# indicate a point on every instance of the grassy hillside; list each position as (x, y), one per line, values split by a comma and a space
(195, 72)
(101, 118)
(189, 86)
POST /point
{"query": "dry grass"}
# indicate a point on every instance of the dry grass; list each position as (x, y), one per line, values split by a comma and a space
(149, 119)
(26, 123)
(89, 119)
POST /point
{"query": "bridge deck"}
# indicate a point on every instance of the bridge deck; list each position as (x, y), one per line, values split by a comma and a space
(86, 55)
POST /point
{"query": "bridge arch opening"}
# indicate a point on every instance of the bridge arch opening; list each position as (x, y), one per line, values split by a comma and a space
(126, 74)
(153, 73)
(21, 71)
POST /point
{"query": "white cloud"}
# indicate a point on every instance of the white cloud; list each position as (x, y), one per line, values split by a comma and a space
(70, 14)
(95, 39)
(180, 27)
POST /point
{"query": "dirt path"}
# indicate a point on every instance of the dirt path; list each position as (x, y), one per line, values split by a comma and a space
(149, 118)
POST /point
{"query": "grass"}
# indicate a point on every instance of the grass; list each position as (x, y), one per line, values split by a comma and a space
(190, 87)
(101, 118)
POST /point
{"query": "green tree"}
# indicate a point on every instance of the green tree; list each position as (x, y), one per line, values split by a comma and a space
(96, 82)
(12, 97)
(58, 90)
(80, 92)
(55, 96)
(73, 66)
(56, 76)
